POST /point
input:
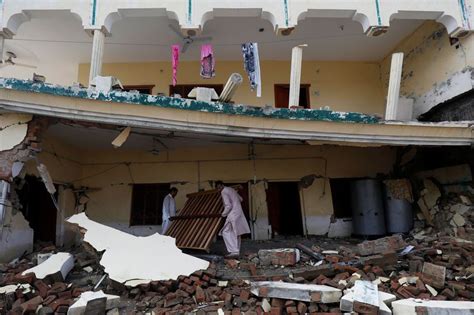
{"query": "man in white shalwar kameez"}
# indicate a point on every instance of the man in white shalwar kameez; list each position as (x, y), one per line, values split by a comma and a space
(169, 209)
(235, 224)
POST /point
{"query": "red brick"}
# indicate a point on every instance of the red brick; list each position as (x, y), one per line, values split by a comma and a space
(244, 295)
(302, 308)
(41, 287)
(49, 299)
(200, 295)
(276, 310)
(341, 276)
(57, 287)
(236, 311)
(378, 271)
(467, 294)
(65, 295)
(420, 285)
(29, 278)
(58, 302)
(405, 293)
(31, 305)
(232, 263)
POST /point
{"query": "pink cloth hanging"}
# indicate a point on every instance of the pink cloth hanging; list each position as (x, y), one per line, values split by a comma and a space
(174, 61)
(207, 62)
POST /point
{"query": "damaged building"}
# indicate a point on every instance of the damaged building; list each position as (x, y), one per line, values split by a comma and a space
(359, 121)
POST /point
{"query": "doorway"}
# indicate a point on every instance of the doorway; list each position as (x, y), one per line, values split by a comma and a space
(39, 209)
(284, 208)
(147, 203)
(282, 95)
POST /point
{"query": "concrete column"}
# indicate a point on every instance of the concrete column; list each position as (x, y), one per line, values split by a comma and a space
(2, 45)
(97, 54)
(393, 95)
(295, 77)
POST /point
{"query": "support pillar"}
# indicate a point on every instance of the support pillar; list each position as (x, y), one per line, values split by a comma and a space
(295, 77)
(393, 95)
(2, 45)
(97, 54)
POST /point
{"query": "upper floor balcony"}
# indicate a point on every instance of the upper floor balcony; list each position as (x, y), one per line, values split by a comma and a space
(346, 65)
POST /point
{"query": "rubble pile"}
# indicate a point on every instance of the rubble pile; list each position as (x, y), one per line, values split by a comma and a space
(277, 281)
(22, 292)
(432, 268)
(445, 215)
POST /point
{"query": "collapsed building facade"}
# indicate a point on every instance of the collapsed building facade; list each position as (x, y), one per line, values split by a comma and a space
(363, 112)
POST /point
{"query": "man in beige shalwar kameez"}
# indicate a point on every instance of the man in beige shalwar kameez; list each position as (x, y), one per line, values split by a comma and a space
(235, 224)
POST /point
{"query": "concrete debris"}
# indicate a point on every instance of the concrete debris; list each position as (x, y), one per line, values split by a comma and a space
(279, 256)
(451, 216)
(434, 275)
(296, 291)
(142, 259)
(434, 263)
(458, 220)
(418, 306)
(399, 189)
(79, 307)
(42, 257)
(381, 245)
(60, 263)
(430, 194)
(384, 301)
(366, 297)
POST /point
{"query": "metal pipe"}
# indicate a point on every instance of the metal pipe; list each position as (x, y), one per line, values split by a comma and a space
(3, 205)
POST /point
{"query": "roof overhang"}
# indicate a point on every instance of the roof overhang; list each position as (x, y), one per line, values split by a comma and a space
(312, 126)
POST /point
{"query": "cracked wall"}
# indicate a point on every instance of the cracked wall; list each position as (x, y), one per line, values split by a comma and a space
(434, 71)
(191, 168)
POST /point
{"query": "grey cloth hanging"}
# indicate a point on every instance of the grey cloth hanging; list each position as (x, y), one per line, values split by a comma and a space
(252, 66)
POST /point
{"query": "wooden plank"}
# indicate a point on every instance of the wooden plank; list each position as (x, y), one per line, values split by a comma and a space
(196, 216)
(197, 224)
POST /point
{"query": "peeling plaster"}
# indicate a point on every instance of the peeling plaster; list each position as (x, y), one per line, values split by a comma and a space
(16, 237)
(13, 129)
(459, 83)
(186, 104)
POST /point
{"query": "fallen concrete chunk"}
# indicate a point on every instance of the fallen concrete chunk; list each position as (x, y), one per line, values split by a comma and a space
(385, 301)
(366, 297)
(296, 291)
(429, 307)
(381, 245)
(458, 220)
(130, 257)
(79, 307)
(279, 256)
(25, 288)
(434, 275)
(60, 262)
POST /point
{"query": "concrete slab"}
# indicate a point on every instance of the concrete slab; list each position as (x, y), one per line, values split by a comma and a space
(60, 262)
(79, 307)
(142, 259)
(385, 301)
(429, 307)
(296, 291)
